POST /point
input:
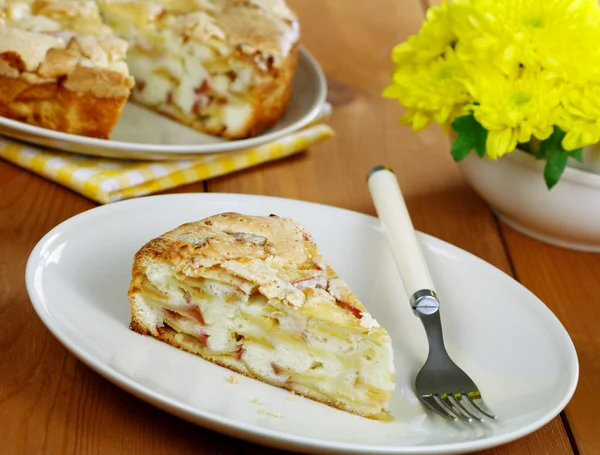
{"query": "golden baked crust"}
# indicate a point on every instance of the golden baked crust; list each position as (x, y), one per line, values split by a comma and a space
(52, 105)
(268, 255)
(61, 67)
(272, 269)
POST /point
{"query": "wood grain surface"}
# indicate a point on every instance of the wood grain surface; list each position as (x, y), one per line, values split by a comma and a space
(50, 403)
(569, 283)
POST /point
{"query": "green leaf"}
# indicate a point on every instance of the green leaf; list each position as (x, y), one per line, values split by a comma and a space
(460, 147)
(470, 136)
(556, 157)
(577, 154)
(556, 162)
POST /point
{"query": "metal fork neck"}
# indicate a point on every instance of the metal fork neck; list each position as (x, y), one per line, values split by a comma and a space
(427, 307)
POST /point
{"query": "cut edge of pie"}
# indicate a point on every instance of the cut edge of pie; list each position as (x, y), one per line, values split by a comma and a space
(254, 294)
(223, 67)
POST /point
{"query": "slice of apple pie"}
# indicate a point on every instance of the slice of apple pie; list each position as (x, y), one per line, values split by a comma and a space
(255, 295)
(60, 67)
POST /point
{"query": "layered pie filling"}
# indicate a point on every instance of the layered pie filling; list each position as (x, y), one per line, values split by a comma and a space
(299, 349)
(192, 89)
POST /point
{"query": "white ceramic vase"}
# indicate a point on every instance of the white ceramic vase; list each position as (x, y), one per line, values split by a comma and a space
(568, 215)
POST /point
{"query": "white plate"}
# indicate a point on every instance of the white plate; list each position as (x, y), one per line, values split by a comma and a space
(143, 134)
(506, 339)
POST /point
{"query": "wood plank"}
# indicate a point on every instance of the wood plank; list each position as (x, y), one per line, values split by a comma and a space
(352, 41)
(50, 403)
(568, 283)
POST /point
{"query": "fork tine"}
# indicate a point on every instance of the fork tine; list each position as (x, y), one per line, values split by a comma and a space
(466, 403)
(479, 404)
(430, 401)
(438, 399)
(456, 409)
(459, 403)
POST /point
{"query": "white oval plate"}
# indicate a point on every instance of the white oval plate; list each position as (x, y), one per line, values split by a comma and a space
(509, 342)
(144, 134)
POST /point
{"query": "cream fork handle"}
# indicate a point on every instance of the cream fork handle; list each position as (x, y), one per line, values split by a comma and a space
(400, 232)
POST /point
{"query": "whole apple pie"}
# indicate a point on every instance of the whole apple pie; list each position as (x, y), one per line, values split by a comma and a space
(222, 67)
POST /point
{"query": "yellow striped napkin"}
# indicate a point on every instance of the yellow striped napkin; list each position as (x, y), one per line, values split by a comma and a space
(106, 180)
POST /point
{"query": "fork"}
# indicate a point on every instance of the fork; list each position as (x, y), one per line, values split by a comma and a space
(440, 384)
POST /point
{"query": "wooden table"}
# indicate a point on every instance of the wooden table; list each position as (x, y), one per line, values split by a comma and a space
(50, 403)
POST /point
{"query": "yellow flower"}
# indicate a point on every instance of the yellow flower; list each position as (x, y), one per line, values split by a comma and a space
(579, 116)
(432, 91)
(561, 36)
(523, 67)
(434, 37)
(513, 109)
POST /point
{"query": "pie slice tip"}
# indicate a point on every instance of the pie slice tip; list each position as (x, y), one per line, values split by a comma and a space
(255, 295)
